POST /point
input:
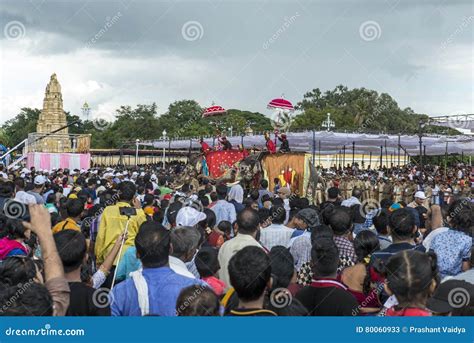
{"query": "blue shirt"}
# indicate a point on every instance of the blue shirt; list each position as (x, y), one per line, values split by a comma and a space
(224, 210)
(452, 248)
(164, 286)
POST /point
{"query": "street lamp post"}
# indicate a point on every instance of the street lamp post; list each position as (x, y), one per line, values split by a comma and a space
(164, 150)
(137, 142)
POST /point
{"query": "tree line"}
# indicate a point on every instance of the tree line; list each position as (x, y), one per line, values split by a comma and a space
(353, 110)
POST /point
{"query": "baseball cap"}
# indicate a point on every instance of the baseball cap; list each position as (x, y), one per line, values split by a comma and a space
(420, 195)
(450, 295)
(189, 216)
(39, 180)
(310, 216)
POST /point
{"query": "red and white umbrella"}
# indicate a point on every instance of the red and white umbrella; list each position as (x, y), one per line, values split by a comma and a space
(281, 104)
(214, 110)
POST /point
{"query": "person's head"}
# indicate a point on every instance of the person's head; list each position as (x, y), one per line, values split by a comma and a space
(72, 249)
(333, 193)
(126, 191)
(452, 297)
(250, 273)
(153, 245)
(307, 218)
(206, 262)
(278, 214)
(172, 212)
(226, 227)
(357, 193)
(248, 221)
(197, 300)
(381, 223)
(412, 277)
(254, 195)
(420, 197)
(402, 224)
(32, 299)
(148, 199)
(276, 181)
(340, 221)
(74, 208)
(213, 196)
(184, 242)
(18, 269)
(221, 191)
(321, 231)
(14, 229)
(461, 215)
(51, 199)
(282, 264)
(365, 243)
(325, 257)
(284, 192)
(264, 184)
(20, 183)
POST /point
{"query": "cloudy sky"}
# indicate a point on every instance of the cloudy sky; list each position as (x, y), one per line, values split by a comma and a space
(238, 54)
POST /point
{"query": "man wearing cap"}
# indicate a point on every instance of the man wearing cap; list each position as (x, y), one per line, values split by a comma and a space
(300, 247)
(452, 298)
(420, 198)
(21, 195)
(38, 185)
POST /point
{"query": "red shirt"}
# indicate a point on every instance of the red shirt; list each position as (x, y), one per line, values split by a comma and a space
(271, 146)
(217, 285)
(408, 312)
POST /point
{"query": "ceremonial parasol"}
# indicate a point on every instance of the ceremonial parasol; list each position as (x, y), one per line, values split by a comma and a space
(214, 110)
(282, 114)
(281, 104)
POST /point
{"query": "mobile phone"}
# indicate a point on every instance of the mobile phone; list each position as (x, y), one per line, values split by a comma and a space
(128, 211)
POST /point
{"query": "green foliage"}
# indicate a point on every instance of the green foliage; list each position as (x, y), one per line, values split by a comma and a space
(358, 109)
(17, 128)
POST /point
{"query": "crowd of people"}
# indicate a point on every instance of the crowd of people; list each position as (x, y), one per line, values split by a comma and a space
(145, 241)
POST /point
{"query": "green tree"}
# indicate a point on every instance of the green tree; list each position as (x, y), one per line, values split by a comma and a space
(18, 128)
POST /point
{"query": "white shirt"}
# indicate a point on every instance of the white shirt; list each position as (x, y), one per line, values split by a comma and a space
(429, 238)
(350, 202)
(179, 267)
(229, 249)
(25, 198)
(275, 234)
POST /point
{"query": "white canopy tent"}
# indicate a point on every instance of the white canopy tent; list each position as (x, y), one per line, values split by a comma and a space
(328, 143)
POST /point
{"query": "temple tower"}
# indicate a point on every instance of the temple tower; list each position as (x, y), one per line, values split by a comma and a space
(52, 118)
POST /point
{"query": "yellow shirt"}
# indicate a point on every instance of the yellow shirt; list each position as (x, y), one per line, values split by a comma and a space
(111, 225)
(67, 224)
